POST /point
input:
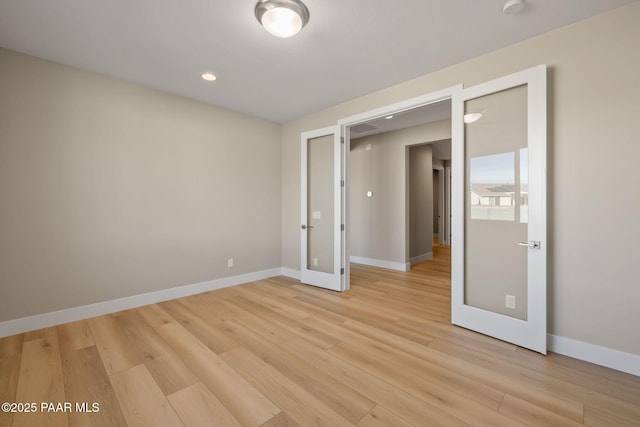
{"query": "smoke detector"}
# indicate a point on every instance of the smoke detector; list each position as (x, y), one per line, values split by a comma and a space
(513, 7)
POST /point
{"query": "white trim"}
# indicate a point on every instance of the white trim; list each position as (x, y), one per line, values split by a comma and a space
(603, 356)
(25, 324)
(290, 272)
(398, 107)
(345, 137)
(420, 258)
(391, 265)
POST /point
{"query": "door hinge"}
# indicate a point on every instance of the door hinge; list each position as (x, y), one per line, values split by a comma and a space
(342, 183)
(342, 271)
(341, 227)
(342, 140)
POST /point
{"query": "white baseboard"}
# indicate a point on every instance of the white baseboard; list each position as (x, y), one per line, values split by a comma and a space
(614, 359)
(399, 266)
(25, 324)
(420, 258)
(290, 272)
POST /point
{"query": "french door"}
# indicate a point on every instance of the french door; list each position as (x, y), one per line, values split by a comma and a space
(499, 272)
(321, 226)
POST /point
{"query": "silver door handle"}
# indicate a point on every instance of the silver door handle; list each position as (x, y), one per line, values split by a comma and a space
(533, 244)
(304, 227)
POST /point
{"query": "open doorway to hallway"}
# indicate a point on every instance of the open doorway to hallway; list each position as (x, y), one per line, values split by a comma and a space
(442, 192)
(391, 191)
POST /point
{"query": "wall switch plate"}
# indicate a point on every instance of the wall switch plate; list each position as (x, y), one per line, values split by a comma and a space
(368, 147)
(316, 215)
(315, 262)
(510, 301)
(230, 262)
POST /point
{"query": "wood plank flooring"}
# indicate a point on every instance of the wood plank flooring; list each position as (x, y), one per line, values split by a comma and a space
(276, 353)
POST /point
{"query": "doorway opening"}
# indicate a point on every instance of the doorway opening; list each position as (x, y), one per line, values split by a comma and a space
(391, 193)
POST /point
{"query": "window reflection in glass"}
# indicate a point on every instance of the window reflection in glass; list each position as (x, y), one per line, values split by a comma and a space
(493, 187)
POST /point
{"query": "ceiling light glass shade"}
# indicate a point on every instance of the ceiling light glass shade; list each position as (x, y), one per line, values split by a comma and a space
(282, 18)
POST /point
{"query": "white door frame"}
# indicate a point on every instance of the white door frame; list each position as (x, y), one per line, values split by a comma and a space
(346, 123)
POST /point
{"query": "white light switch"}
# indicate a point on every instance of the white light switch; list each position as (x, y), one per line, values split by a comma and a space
(368, 147)
(316, 215)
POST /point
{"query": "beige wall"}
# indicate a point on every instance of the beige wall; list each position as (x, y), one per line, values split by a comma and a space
(436, 190)
(436, 194)
(593, 105)
(109, 190)
(379, 225)
(421, 200)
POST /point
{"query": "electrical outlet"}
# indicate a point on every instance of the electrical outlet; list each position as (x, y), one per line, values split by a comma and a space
(315, 262)
(510, 301)
(230, 262)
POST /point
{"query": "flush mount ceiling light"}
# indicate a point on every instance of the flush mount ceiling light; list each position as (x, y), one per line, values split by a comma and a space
(389, 117)
(208, 77)
(282, 18)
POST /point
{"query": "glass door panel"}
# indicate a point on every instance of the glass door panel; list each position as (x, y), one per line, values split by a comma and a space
(495, 268)
(320, 221)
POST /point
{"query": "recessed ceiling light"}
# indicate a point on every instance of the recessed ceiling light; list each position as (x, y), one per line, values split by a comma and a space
(389, 117)
(208, 77)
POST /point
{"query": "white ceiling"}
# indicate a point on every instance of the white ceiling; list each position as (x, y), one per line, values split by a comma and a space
(409, 118)
(348, 49)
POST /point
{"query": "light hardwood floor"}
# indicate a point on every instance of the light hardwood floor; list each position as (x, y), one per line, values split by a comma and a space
(275, 353)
